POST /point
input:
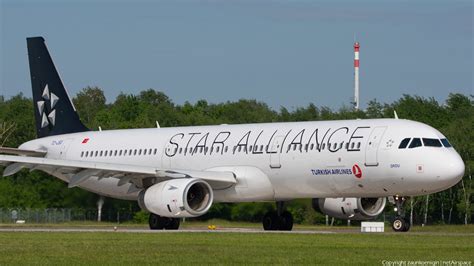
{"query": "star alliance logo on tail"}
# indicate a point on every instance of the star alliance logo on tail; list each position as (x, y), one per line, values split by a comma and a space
(51, 99)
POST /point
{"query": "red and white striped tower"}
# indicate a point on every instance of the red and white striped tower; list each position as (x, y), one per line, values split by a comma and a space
(356, 75)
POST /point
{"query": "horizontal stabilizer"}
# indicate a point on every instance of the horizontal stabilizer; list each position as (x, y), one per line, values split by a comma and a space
(15, 151)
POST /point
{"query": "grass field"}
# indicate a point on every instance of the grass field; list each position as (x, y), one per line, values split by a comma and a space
(236, 248)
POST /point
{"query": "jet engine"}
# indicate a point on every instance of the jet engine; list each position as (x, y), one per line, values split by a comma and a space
(350, 208)
(185, 197)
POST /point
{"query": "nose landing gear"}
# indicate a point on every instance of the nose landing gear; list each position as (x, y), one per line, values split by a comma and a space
(400, 223)
(279, 220)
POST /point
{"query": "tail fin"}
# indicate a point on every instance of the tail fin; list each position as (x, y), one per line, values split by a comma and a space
(54, 111)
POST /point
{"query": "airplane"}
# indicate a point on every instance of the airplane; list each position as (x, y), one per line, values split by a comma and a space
(348, 167)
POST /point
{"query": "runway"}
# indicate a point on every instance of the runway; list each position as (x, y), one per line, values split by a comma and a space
(148, 231)
(131, 230)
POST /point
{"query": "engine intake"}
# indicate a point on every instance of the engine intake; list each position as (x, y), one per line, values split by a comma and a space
(350, 208)
(186, 197)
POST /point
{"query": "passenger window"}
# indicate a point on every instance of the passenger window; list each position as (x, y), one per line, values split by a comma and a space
(352, 145)
(431, 142)
(446, 143)
(96, 153)
(206, 149)
(358, 145)
(323, 146)
(105, 154)
(404, 143)
(154, 151)
(239, 149)
(87, 153)
(311, 147)
(217, 148)
(226, 148)
(347, 145)
(261, 147)
(416, 142)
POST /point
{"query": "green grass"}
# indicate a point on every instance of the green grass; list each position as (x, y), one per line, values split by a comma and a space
(232, 248)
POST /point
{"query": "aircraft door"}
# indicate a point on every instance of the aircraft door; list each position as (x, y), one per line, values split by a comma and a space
(64, 147)
(274, 151)
(166, 156)
(372, 146)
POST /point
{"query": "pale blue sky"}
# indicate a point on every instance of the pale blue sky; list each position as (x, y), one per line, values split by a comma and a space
(285, 53)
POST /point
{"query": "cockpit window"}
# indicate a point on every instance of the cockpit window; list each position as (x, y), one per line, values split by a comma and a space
(416, 142)
(446, 143)
(404, 143)
(431, 142)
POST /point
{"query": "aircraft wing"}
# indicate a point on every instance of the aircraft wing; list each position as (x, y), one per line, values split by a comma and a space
(141, 176)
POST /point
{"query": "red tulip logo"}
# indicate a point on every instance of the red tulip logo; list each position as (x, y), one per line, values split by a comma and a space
(356, 171)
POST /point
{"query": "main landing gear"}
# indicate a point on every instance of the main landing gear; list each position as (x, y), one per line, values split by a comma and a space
(157, 222)
(278, 220)
(400, 223)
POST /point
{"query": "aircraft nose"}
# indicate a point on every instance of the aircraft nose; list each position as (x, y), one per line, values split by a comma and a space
(454, 168)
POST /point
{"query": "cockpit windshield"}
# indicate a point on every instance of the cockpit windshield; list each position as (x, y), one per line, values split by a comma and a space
(416, 142)
(446, 143)
(432, 142)
(426, 142)
(404, 143)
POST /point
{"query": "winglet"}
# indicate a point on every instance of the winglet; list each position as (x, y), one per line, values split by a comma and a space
(395, 114)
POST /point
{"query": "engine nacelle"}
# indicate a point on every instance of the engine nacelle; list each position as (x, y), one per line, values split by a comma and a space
(350, 208)
(185, 197)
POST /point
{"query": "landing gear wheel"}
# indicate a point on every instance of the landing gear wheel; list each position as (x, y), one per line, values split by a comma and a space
(400, 224)
(271, 221)
(156, 222)
(173, 224)
(407, 225)
(286, 221)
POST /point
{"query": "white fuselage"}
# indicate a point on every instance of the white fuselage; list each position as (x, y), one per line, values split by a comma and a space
(277, 161)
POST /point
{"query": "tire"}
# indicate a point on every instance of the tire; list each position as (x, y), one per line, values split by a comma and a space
(399, 224)
(286, 221)
(407, 226)
(270, 221)
(156, 222)
(173, 224)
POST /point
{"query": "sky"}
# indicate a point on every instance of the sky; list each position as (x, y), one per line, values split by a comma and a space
(284, 53)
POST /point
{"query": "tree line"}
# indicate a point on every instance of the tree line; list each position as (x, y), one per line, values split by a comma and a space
(454, 118)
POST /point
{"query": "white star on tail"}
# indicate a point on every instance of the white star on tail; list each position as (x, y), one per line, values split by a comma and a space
(46, 118)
